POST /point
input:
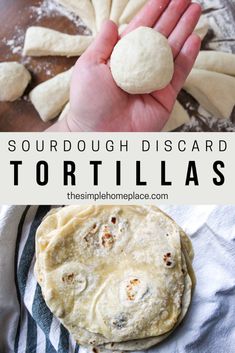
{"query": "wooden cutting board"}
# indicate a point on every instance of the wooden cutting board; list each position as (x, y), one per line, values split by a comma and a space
(16, 16)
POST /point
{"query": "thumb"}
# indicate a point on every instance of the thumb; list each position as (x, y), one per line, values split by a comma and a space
(102, 47)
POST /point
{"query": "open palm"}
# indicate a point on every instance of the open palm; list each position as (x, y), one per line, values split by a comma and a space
(97, 104)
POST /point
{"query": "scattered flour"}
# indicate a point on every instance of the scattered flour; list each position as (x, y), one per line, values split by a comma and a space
(51, 8)
(221, 24)
(203, 120)
(16, 42)
(26, 98)
(48, 8)
(198, 124)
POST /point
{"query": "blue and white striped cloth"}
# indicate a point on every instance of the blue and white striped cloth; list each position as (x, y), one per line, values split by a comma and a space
(37, 331)
(28, 326)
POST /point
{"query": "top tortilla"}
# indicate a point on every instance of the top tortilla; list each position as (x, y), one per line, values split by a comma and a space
(111, 274)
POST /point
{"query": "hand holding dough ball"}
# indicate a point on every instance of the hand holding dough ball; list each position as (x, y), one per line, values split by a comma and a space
(14, 78)
(142, 62)
(148, 49)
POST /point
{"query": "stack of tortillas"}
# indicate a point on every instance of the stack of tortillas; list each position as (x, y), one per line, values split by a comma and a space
(118, 278)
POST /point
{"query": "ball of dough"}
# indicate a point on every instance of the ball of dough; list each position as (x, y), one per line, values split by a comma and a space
(14, 78)
(142, 62)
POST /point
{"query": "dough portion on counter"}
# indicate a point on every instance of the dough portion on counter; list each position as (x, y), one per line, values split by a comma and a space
(131, 9)
(102, 11)
(178, 117)
(64, 112)
(14, 78)
(50, 97)
(142, 61)
(217, 61)
(122, 28)
(214, 91)
(202, 27)
(82, 8)
(41, 41)
(117, 9)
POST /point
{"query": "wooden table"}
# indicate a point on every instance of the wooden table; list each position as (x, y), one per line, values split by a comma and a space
(16, 16)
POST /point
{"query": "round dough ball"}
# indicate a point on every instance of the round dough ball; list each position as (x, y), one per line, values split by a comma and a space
(14, 78)
(142, 62)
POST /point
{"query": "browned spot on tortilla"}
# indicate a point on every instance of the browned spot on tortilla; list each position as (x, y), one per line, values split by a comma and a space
(68, 278)
(166, 257)
(107, 240)
(133, 283)
(114, 220)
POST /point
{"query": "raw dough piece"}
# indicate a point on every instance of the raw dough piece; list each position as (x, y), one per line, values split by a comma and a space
(131, 9)
(82, 8)
(64, 112)
(50, 97)
(41, 41)
(122, 28)
(102, 11)
(179, 117)
(217, 61)
(214, 91)
(142, 61)
(14, 78)
(117, 9)
(202, 27)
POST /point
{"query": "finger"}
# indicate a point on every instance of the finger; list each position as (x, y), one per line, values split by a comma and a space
(185, 61)
(171, 16)
(184, 28)
(148, 16)
(102, 47)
